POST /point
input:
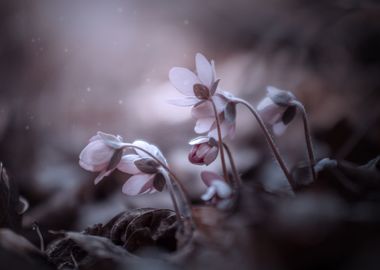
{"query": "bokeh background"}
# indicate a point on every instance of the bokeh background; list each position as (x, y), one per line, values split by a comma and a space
(71, 68)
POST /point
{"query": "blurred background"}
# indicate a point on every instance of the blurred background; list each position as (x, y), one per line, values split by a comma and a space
(71, 68)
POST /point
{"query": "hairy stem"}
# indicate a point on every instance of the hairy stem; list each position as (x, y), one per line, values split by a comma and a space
(269, 139)
(233, 166)
(309, 145)
(220, 142)
(172, 195)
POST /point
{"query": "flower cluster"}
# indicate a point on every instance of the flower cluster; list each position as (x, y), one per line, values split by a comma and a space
(106, 152)
(215, 113)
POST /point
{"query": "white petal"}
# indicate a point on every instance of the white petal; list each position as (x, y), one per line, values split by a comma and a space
(264, 103)
(96, 153)
(202, 110)
(199, 140)
(220, 102)
(279, 128)
(149, 148)
(111, 140)
(203, 125)
(138, 184)
(183, 102)
(204, 69)
(222, 189)
(271, 90)
(210, 192)
(127, 164)
(183, 79)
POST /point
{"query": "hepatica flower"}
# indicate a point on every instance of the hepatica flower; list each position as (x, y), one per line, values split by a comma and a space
(277, 110)
(199, 90)
(102, 154)
(204, 151)
(218, 191)
(146, 176)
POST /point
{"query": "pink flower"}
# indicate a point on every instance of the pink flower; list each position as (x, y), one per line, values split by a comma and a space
(204, 150)
(276, 109)
(102, 154)
(199, 90)
(146, 176)
(218, 192)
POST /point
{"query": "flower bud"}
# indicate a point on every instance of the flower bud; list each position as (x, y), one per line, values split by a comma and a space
(204, 151)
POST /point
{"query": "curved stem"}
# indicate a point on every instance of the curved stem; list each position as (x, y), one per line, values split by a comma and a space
(182, 192)
(309, 145)
(172, 195)
(233, 166)
(269, 139)
(220, 142)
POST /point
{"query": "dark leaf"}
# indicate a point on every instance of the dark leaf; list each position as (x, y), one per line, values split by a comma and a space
(115, 159)
(201, 91)
(159, 182)
(230, 112)
(147, 165)
(289, 114)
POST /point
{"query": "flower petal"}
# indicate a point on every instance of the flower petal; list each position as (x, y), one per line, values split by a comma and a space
(204, 69)
(203, 125)
(111, 140)
(264, 103)
(127, 164)
(211, 155)
(183, 79)
(222, 189)
(199, 140)
(202, 110)
(210, 192)
(279, 128)
(95, 155)
(149, 148)
(138, 184)
(208, 177)
(183, 102)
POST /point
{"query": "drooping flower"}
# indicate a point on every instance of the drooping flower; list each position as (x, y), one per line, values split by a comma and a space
(102, 154)
(218, 191)
(204, 151)
(277, 110)
(200, 89)
(146, 176)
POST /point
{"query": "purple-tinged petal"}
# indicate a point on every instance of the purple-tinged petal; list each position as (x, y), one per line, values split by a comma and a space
(279, 128)
(138, 184)
(149, 148)
(204, 69)
(209, 177)
(211, 155)
(127, 164)
(183, 102)
(220, 102)
(111, 140)
(199, 140)
(203, 125)
(183, 79)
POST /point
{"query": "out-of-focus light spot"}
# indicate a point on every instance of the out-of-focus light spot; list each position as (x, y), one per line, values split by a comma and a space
(186, 22)
(88, 89)
(27, 127)
(120, 102)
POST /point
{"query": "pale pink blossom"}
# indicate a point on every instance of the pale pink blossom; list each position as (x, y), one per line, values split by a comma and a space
(200, 89)
(146, 176)
(102, 154)
(276, 109)
(204, 151)
(218, 191)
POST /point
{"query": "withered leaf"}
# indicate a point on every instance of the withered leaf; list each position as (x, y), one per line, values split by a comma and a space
(147, 165)
(11, 206)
